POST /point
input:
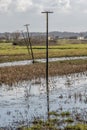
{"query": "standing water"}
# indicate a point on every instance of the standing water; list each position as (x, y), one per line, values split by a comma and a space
(21, 103)
(27, 62)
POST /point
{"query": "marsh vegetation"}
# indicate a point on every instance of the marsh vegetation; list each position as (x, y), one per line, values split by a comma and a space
(23, 89)
(24, 104)
(15, 74)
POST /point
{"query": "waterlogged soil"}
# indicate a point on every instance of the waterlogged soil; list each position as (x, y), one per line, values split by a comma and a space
(21, 103)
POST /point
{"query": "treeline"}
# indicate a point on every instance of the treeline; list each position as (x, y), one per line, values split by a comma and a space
(33, 41)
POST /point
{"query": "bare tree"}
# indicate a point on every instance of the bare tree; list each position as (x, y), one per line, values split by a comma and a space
(7, 36)
(16, 36)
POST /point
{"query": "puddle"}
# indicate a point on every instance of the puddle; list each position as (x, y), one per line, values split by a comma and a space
(26, 62)
(23, 102)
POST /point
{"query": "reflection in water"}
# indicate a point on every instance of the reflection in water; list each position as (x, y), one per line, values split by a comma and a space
(26, 62)
(21, 103)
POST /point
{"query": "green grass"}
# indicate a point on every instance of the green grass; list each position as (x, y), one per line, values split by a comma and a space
(51, 127)
(8, 52)
(77, 127)
(69, 120)
(8, 48)
(55, 123)
(65, 114)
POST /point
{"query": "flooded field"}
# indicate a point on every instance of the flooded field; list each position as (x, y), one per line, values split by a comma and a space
(21, 103)
(27, 62)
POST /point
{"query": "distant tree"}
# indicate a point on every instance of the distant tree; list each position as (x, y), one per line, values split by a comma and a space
(15, 36)
(73, 37)
(7, 36)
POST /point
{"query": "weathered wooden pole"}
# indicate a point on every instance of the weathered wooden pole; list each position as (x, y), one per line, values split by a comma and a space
(29, 42)
(47, 87)
(26, 43)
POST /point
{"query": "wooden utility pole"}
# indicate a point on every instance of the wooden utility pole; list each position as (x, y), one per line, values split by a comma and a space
(26, 42)
(47, 87)
(28, 35)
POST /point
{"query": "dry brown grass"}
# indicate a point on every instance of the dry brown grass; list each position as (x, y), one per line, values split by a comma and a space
(10, 75)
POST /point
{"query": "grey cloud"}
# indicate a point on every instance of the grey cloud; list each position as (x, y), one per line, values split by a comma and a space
(58, 5)
(78, 6)
(22, 5)
(68, 14)
(4, 5)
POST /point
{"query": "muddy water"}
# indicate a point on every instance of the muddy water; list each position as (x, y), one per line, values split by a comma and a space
(21, 103)
(26, 62)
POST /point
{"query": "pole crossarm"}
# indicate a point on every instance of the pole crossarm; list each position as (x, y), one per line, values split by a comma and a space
(47, 12)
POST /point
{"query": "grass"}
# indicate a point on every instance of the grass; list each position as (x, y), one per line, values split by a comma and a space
(53, 113)
(14, 74)
(56, 123)
(65, 114)
(10, 75)
(77, 127)
(8, 52)
(69, 120)
(51, 127)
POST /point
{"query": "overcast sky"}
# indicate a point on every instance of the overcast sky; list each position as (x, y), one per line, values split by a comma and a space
(69, 15)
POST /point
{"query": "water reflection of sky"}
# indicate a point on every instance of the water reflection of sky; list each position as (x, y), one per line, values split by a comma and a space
(27, 100)
(26, 62)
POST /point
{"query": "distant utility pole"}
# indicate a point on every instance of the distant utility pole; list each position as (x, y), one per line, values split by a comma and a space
(29, 41)
(26, 42)
(47, 87)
